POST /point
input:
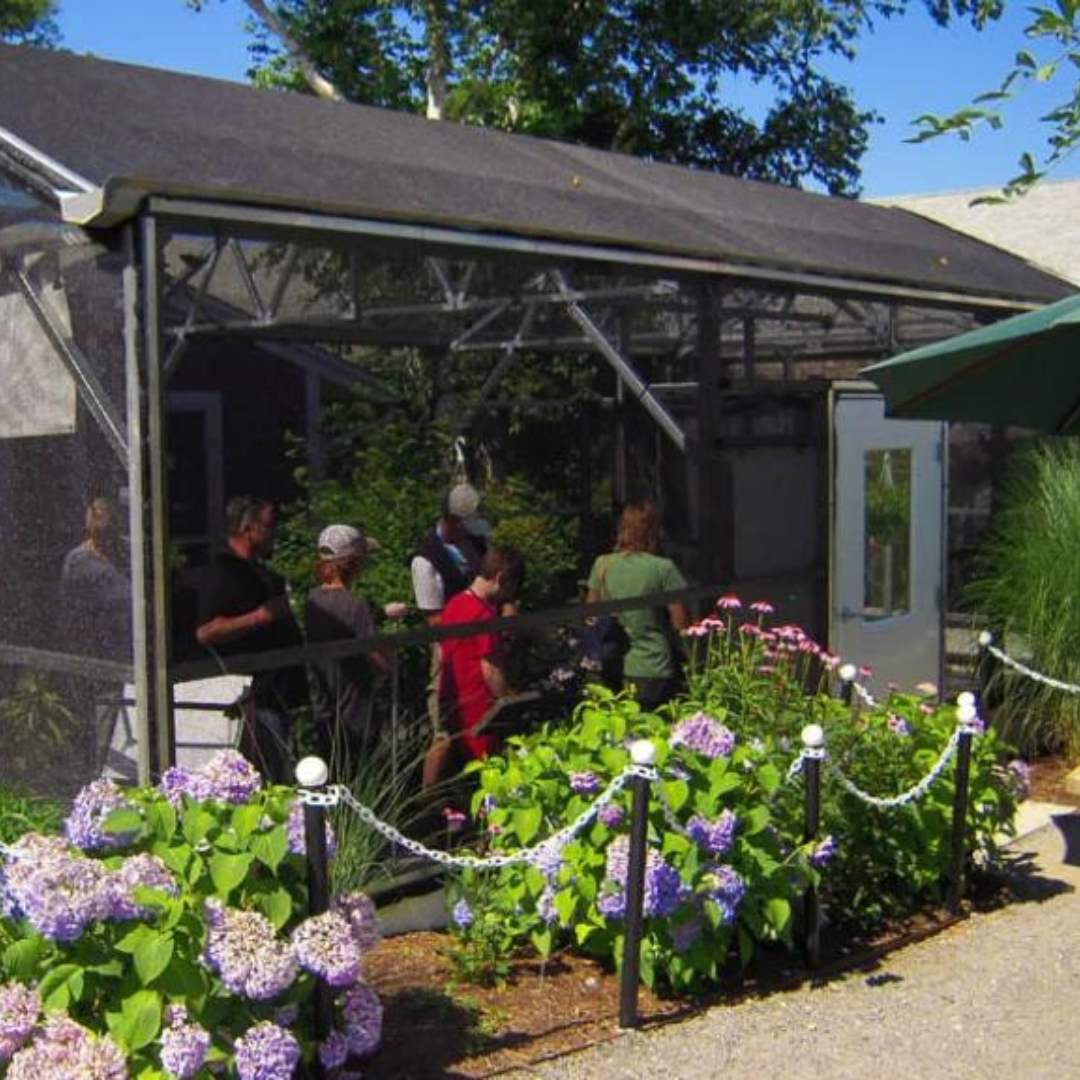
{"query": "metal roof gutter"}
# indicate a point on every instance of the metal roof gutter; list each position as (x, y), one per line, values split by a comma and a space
(59, 178)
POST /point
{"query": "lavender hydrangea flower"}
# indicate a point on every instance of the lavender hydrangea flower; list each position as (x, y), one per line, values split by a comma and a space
(266, 1052)
(725, 888)
(243, 951)
(823, 853)
(715, 837)
(359, 910)
(233, 779)
(584, 783)
(143, 870)
(611, 816)
(664, 890)
(548, 859)
(334, 1050)
(90, 808)
(703, 734)
(294, 829)
(1018, 774)
(545, 906)
(184, 1045)
(56, 888)
(684, 934)
(176, 782)
(325, 946)
(65, 1051)
(363, 1015)
(462, 914)
(20, 1007)
(898, 725)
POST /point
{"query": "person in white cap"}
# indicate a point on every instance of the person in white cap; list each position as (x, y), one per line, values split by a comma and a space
(444, 565)
(342, 688)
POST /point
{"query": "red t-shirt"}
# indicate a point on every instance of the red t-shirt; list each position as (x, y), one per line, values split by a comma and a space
(463, 691)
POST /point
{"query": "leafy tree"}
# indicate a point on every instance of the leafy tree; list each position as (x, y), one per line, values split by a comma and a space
(29, 22)
(647, 77)
(1055, 36)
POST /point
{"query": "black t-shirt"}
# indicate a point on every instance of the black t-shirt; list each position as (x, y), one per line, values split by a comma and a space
(230, 586)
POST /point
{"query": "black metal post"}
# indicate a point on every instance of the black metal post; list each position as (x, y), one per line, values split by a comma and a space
(847, 684)
(959, 822)
(312, 773)
(813, 739)
(635, 901)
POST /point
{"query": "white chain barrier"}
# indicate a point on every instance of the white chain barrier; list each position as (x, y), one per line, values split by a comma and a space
(336, 794)
(986, 640)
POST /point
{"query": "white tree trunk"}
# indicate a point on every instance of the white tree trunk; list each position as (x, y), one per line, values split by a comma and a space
(318, 83)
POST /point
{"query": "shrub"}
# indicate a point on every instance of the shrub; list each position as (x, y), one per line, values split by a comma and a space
(725, 876)
(165, 934)
(1026, 583)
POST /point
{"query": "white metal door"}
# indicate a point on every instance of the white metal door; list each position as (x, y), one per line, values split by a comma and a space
(887, 557)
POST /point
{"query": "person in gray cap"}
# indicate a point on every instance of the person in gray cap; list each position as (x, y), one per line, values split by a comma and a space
(443, 565)
(342, 688)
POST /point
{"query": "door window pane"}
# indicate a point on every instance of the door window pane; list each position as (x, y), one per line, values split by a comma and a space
(887, 558)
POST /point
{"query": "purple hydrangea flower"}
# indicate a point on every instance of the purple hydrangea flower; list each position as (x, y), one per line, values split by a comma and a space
(684, 934)
(898, 725)
(359, 910)
(462, 914)
(90, 808)
(145, 871)
(545, 906)
(363, 1015)
(548, 859)
(57, 889)
(664, 890)
(243, 951)
(266, 1052)
(704, 735)
(1019, 775)
(20, 1007)
(325, 946)
(184, 1046)
(176, 782)
(294, 827)
(584, 783)
(611, 816)
(823, 853)
(715, 837)
(334, 1050)
(725, 888)
(233, 779)
(65, 1051)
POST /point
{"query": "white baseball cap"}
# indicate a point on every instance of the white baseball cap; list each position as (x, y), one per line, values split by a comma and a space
(341, 541)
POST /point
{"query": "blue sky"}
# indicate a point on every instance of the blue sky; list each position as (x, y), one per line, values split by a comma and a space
(905, 68)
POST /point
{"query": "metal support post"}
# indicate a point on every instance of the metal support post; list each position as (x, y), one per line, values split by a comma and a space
(966, 714)
(846, 690)
(312, 773)
(813, 738)
(984, 665)
(641, 753)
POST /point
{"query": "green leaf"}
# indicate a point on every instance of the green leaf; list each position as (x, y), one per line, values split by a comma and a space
(61, 985)
(228, 871)
(746, 946)
(196, 824)
(135, 937)
(140, 1020)
(277, 906)
(184, 979)
(176, 857)
(778, 913)
(246, 819)
(152, 956)
(122, 821)
(541, 940)
(677, 792)
(526, 822)
(161, 818)
(21, 958)
(754, 820)
(270, 847)
(768, 776)
(565, 903)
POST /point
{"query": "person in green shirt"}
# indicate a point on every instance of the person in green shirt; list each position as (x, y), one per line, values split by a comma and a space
(634, 569)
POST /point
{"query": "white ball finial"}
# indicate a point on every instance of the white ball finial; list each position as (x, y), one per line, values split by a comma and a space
(985, 637)
(847, 672)
(966, 713)
(642, 752)
(966, 698)
(311, 772)
(813, 736)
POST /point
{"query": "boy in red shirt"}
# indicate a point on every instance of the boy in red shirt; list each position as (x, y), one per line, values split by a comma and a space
(473, 668)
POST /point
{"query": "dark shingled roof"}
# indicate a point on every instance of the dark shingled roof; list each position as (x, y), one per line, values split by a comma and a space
(158, 132)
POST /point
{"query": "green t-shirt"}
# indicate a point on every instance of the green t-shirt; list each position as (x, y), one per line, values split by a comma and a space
(624, 575)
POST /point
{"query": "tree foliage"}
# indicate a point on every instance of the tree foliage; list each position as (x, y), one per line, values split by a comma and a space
(653, 78)
(1055, 36)
(29, 22)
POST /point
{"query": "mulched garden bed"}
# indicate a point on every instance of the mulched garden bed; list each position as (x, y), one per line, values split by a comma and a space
(435, 1029)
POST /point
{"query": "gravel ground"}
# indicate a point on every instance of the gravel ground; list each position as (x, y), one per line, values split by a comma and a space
(995, 996)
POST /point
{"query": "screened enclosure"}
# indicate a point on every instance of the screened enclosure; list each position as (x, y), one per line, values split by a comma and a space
(187, 293)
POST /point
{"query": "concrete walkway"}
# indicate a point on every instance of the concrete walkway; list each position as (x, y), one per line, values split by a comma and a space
(997, 996)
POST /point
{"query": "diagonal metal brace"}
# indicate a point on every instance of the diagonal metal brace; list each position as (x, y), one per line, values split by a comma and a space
(90, 389)
(634, 383)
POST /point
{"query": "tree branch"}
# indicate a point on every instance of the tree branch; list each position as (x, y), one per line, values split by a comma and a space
(322, 86)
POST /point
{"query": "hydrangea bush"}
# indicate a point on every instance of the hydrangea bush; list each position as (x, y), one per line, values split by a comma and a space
(727, 876)
(164, 936)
